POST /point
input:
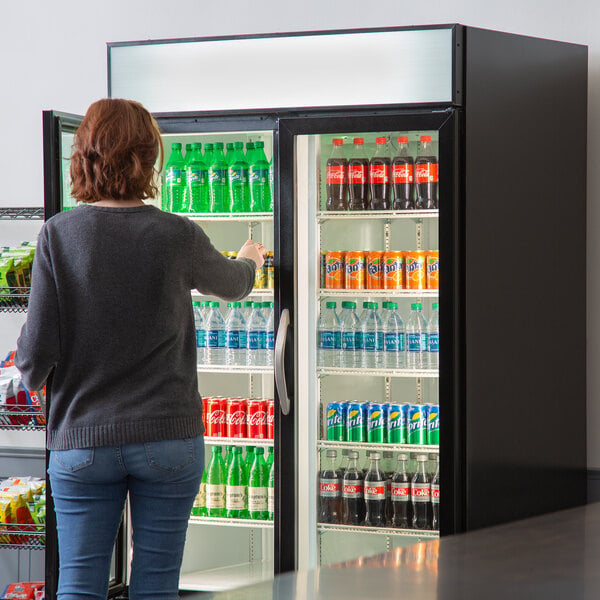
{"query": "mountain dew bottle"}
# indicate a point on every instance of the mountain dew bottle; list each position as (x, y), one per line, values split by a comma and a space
(196, 177)
(260, 186)
(175, 180)
(217, 181)
(239, 186)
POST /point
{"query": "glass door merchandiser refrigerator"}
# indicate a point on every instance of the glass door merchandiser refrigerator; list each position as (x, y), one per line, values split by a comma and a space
(483, 380)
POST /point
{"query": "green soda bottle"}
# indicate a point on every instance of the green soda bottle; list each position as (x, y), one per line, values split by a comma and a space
(236, 492)
(217, 181)
(228, 458)
(249, 461)
(216, 480)
(270, 456)
(229, 154)
(199, 506)
(260, 188)
(271, 493)
(196, 177)
(208, 154)
(258, 482)
(239, 181)
(249, 152)
(175, 179)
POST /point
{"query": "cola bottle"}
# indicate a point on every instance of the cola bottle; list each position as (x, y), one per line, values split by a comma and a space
(435, 496)
(388, 470)
(379, 176)
(375, 493)
(337, 178)
(353, 502)
(401, 504)
(402, 176)
(426, 175)
(330, 491)
(358, 177)
(421, 495)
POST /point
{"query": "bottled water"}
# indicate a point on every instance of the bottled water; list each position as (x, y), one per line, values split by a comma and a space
(433, 337)
(257, 337)
(351, 336)
(215, 340)
(247, 309)
(393, 338)
(416, 338)
(270, 318)
(200, 334)
(372, 338)
(235, 340)
(329, 341)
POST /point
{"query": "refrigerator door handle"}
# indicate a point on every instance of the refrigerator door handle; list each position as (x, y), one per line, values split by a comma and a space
(284, 322)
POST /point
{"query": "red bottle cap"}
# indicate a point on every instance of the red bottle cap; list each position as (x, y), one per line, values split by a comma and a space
(338, 142)
(425, 138)
(359, 141)
(381, 140)
(403, 139)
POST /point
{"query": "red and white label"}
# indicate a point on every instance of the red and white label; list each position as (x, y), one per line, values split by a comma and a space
(330, 488)
(427, 173)
(402, 173)
(421, 492)
(336, 174)
(257, 420)
(379, 173)
(435, 493)
(400, 491)
(357, 174)
(375, 491)
(352, 490)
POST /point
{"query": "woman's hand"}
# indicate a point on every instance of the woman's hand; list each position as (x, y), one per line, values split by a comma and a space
(254, 251)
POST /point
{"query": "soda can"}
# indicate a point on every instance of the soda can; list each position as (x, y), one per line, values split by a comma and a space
(415, 270)
(270, 268)
(374, 270)
(215, 416)
(334, 270)
(336, 425)
(376, 427)
(433, 425)
(323, 267)
(393, 270)
(432, 261)
(271, 419)
(356, 422)
(354, 270)
(397, 423)
(260, 279)
(417, 424)
(235, 418)
(256, 418)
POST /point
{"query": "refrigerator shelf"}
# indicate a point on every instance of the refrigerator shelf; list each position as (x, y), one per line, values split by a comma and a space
(227, 578)
(239, 217)
(378, 215)
(222, 522)
(258, 293)
(363, 294)
(418, 533)
(412, 448)
(231, 369)
(22, 537)
(22, 418)
(325, 371)
(225, 441)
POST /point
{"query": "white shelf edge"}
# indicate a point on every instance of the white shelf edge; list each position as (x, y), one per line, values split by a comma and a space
(230, 369)
(266, 293)
(228, 217)
(377, 215)
(327, 293)
(419, 533)
(223, 522)
(430, 373)
(414, 449)
(223, 441)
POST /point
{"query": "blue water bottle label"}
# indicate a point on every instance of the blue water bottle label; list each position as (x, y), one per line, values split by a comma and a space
(417, 342)
(338, 340)
(200, 338)
(270, 340)
(254, 339)
(434, 342)
(263, 340)
(213, 338)
(327, 340)
(222, 338)
(348, 340)
(233, 339)
(360, 342)
(369, 341)
(243, 338)
(379, 341)
(392, 342)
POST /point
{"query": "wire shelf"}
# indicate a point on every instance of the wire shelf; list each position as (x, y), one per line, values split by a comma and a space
(22, 537)
(408, 448)
(240, 217)
(21, 212)
(377, 215)
(324, 371)
(221, 522)
(235, 369)
(22, 418)
(364, 294)
(14, 299)
(225, 441)
(418, 533)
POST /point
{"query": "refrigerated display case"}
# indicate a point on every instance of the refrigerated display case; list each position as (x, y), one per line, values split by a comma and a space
(503, 381)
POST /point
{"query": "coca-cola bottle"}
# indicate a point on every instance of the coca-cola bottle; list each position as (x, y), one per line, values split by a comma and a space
(375, 493)
(353, 502)
(435, 496)
(402, 176)
(426, 175)
(330, 491)
(388, 470)
(379, 176)
(358, 177)
(337, 178)
(401, 504)
(421, 495)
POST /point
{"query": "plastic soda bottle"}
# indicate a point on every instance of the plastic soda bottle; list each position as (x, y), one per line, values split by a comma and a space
(351, 337)
(257, 334)
(337, 178)
(426, 175)
(229, 152)
(215, 339)
(247, 310)
(258, 482)
(403, 176)
(200, 334)
(416, 338)
(358, 177)
(379, 176)
(353, 503)
(260, 188)
(330, 491)
(375, 486)
(270, 457)
(372, 338)
(435, 496)
(216, 480)
(433, 337)
(199, 506)
(271, 493)
(239, 179)
(249, 152)
(236, 492)
(249, 460)
(175, 179)
(235, 336)
(401, 505)
(196, 178)
(329, 340)
(421, 495)
(393, 338)
(208, 154)
(217, 181)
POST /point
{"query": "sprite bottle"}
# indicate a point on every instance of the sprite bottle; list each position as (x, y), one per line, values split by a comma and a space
(260, 186)
(216, 480)
(196, 178)
(229, 153)
(249, 152)
(236, 491)
(217, 181)
(208, 154)
(175, 180)
(270, 457)
(271, 492)
(239, 182)
(258, 481)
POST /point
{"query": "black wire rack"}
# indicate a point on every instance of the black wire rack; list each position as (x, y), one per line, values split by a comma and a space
(22, 212)
(14, 299)
(22, 537)
(22, 418)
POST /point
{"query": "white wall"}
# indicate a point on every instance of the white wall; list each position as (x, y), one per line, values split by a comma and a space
(53, 55)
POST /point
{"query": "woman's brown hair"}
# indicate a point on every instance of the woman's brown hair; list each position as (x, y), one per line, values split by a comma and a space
(115, 152)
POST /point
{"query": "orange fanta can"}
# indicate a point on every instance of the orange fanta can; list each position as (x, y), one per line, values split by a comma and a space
(334, 270)
(433, 269)
(374, 262)
(415, 270)
(393, 270)
(355, 270)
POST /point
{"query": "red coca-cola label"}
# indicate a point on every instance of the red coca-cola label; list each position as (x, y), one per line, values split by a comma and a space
(330, 488)
(427, 173)
(379, 173)
(256, 419)
(375, 491)
(352, 490)
(402, 173)
(435, 493)
(400, 491)
(336, 174)
(421, 492)
(270, 419)
(357, 174)
(235, 419)
(215, 417)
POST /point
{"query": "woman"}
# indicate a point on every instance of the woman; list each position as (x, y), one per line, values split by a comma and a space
(110, 330)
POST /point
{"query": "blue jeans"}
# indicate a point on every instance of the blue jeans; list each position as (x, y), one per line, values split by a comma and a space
(89, 487)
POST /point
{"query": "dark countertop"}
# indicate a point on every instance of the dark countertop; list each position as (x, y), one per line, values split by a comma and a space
(553, 557)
